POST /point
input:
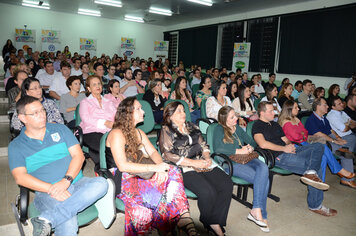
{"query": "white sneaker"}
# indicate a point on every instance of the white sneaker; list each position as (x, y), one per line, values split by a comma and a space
(106, 206)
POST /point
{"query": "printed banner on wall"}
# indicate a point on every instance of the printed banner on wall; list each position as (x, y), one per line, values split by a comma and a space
(88, 45)
(128, 47)
(25, 38)
(241, 56)
(160, 49)
(51, 40)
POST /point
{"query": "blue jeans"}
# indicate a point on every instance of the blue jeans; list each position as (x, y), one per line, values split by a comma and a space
(347, 164)
(328, 159)
(306, 158)
(194, 115)
(255, 172)
(63, 215)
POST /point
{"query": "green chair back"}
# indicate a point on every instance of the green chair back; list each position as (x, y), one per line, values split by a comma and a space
(249, 128)
(77, 116)
(195, 88)
(210, 136)
(139, 96)
(256, 102)
(304, 119)
(172, 86)
(203, 109)
(149, 122)
(186, 108)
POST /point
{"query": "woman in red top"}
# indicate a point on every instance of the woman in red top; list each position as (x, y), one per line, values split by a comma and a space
(151, 67)
(295, 132)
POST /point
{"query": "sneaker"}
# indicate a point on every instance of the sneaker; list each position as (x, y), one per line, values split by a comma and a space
(40, 227)
(106, 206)
(314, 181)
(324, 211)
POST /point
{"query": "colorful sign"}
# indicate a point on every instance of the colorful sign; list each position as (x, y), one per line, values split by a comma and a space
(241, 56)
(160, 49)
(51, 40)
(87, 45)
(128, 47)
(25, 38)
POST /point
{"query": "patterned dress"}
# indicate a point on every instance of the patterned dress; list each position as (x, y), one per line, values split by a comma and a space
(149, 205)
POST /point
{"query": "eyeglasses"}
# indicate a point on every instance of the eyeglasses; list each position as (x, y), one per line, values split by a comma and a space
(36, 113)
(36, 88)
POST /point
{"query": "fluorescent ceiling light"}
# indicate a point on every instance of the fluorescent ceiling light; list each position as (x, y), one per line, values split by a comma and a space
(109, 3)
(134, 18)
(160, 11)
(35, 4)
(88, 12)
(203, 2)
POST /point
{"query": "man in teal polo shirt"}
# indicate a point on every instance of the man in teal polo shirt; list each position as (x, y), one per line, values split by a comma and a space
(48, 159)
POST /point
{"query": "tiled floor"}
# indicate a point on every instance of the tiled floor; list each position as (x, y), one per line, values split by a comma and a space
(286, 218)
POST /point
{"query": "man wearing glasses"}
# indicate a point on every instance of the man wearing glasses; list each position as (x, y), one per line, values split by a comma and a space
(47, 158)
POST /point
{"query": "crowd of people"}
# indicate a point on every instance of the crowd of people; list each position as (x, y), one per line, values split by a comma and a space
(46, 89)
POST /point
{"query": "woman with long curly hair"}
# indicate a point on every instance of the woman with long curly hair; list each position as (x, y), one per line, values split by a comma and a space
(152, 191)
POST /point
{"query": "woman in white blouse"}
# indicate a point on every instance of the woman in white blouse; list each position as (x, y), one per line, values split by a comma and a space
(271, 94)
(243, 104)
(218, 100)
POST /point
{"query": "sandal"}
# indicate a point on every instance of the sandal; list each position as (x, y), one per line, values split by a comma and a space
(188, 227)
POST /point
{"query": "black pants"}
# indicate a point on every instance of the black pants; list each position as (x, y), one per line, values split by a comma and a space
(214, 190)
(92, 141)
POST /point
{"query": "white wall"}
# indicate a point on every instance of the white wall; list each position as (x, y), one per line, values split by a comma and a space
(72, 26)
(305, 6)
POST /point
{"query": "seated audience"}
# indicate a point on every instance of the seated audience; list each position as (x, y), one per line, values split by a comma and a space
(69, 101)
(284, 81)
(245, 80)
(137, 76)
(271, 94)
(333, 92)
(14, 94)
(151, 67)
(295, 132)
(97, 114)
(270, 82)
(46, 78)
(181, 92)
(214, 78)
(319, 92)
(350, 82)
(111, 73)
(257, 83)
(32, 70)
(166, 74)
(217, 101)
(145, 73)
(155, 97)
(298, 87)
(306, 97)
(204, 91)
(59, 86)
(230, 139)
(128, 86)
(11, 81)
(85, 72)
(243, 105)
(350, 108)
(161, 188)
(302, 160)
(76, 67)
(196, 77)
(11, 70)
(285, 94)
(352, 90)
(181, 143)
(238, 80)
(32, 87)
(232, 91)
(317, 124)
(47, 159)
(114, 92)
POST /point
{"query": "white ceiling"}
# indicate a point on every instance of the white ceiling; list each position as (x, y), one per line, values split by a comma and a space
(184, 11)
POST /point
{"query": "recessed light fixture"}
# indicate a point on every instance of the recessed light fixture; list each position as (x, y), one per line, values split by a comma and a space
(88, 12)
(160, 11)
(109, 3)
(203, 2)
(35, 4)
(134, 18)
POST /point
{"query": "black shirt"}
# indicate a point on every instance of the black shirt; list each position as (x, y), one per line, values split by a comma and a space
(350, 113)
(271, 131)
(10, 84)
(149, 97)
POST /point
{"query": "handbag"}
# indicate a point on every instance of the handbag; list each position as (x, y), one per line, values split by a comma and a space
(146, 160)
(243, 158)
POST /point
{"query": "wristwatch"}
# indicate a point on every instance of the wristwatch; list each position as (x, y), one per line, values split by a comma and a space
(69, 178)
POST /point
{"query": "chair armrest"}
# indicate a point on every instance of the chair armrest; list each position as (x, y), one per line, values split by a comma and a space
(105, 173)
(206, 120)
(222, 162)
(267, 155)
(78, 133)
(23, 203)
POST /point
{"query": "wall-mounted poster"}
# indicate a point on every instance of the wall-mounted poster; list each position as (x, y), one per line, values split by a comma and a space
(128, 47)
(88, 45)
(51, 40)
(160, 49)
(25, 38)
(241, 56)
